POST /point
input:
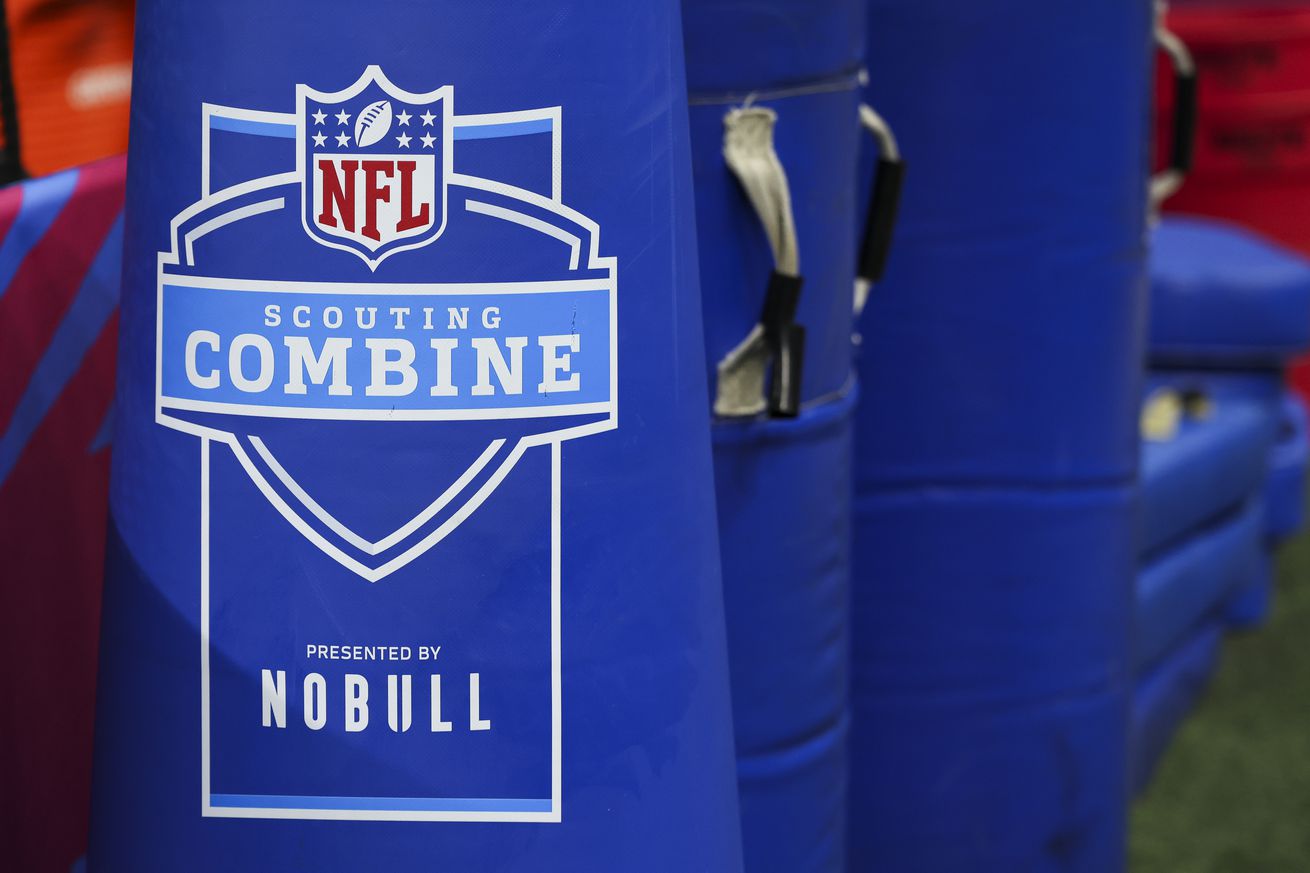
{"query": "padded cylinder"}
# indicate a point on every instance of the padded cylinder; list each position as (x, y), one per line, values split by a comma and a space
(783, 483)
(368, 434)
(990, 679)
(743, 46)
(1004, 344)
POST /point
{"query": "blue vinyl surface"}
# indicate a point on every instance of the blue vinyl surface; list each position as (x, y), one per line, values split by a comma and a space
(1166, 694)
(997, 439)
(784, 486)
(1223, 296)
(412, 557)
(1212, 465)
(1178, 590)
(1285, 487)
(743, 46)
(1004, 344)
(784, 526)
(991, 678)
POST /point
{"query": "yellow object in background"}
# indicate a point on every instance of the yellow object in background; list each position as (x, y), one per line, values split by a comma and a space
(1162, 413)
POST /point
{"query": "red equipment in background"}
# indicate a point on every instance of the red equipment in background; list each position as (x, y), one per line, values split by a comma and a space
(60, 254)
(1252, 157)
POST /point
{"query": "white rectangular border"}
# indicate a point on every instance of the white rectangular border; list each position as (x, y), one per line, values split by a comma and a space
(554, 816)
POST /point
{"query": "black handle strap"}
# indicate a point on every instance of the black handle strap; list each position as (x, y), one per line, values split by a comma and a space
(1183, 148)
(786, 343)
(884, 206)
(1185, 120)
(880, 219)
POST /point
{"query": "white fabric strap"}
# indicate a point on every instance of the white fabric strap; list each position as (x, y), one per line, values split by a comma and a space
(748, 150)
(750, 155)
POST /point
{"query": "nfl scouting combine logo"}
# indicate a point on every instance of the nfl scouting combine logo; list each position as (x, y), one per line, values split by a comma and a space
(375, 160)
(382, 322)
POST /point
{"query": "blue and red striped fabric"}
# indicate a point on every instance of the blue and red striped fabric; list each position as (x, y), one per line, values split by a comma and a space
(60, 254)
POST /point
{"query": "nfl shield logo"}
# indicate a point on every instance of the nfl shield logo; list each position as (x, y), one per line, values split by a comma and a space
(373, 162)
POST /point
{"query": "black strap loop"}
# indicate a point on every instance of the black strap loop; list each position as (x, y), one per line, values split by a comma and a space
(880, 220)
(1185, 120)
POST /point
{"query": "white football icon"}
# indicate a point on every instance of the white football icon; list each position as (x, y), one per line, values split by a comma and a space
(373, 123)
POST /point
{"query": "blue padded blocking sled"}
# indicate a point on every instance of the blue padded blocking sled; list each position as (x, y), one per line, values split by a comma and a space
(1285, 487)
(775, 100)
(1222, 295)
(1211, 465)
(1166, 694)
(1193, 580)
(1266, 389)
(991, 680)
(1005, 343)
(368, 434)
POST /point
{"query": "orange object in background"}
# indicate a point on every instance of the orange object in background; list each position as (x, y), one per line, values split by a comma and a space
(72, 72)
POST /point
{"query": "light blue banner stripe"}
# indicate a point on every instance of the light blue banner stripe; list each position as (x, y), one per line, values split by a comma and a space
(462, 131)
(77, 332)
(258, 128)
(43, 200)
(388, 804)
(509, 128)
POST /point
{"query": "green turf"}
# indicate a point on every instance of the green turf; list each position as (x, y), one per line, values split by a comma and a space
(1233, 793)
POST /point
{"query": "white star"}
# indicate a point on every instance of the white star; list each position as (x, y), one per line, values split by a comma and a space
(319, 117)
(320, 139)
(428, 118)
(428, 140)
(403, 139)
(342, 117)
(343, 140)
(403, 118)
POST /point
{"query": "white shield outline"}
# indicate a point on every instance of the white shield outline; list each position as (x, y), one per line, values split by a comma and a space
(260, 195)
(373, 75)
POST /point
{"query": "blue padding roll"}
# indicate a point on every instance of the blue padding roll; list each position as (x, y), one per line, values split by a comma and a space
(1209, 467)
(1223, 296)
(1177, 590)
(392, 582)
(1166, 694)
(740, 46)
(817, 138)
(1285, 487)
(1005, 343)
(784, 522)
(990, 680)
